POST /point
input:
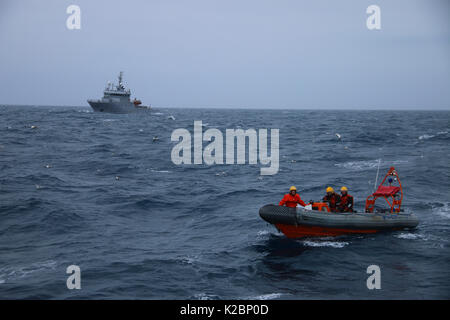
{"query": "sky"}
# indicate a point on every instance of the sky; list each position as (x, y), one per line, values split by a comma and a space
(284, 54)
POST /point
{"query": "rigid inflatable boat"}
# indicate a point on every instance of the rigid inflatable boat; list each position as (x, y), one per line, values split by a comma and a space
(318, 220)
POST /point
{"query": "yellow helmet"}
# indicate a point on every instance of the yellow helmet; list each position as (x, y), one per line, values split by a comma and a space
(292, 188)
(344, 189)
(330, 189)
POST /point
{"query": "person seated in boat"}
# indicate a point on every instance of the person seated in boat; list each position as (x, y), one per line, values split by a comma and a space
(346, 204)
(292, 199)
(332, 198)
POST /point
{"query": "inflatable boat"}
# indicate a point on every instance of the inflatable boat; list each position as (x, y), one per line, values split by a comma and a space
(317, 220)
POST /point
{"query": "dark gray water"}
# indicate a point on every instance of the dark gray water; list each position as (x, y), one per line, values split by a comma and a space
(94, 190)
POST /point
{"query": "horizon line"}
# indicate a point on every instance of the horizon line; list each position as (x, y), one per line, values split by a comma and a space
(251, 107)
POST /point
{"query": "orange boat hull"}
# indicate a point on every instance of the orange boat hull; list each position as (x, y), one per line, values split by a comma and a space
(312, 231)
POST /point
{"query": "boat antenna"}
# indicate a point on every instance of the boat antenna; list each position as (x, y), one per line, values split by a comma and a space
(120, 79)
(376, 178)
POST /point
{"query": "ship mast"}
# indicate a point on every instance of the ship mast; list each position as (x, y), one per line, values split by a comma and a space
(120, 80)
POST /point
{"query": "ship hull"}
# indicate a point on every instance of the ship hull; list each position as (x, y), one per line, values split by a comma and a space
(112, 107)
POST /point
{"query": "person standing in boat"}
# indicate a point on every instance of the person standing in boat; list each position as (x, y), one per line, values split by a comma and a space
(332, 198)
(346, 204)
(292, 199)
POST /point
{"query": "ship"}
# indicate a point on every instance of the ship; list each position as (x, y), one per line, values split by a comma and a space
(116, 99)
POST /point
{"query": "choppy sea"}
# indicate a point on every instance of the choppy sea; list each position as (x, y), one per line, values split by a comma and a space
(98, 191)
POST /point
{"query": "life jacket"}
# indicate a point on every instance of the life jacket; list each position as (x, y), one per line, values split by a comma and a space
(332, 200)
(346, 203)
(291, 201)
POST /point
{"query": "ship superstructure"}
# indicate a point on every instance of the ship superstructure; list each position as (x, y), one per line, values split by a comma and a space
(116, 99)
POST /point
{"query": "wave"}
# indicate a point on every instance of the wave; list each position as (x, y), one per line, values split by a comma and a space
(331, 244)
(240, 192)
(431, 136)
(11, 273)
(368, 164)
(204, 296)
(268, 296)
(62, 218)
(443, 210)
(426, 136)
(267, 233)
(149, 203)
(410, 236)
(160, 171)
(188, 259)
(358, 165)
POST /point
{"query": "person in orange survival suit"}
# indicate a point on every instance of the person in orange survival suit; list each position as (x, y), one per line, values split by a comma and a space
(346, 204)
(292, 198)
(332, 198)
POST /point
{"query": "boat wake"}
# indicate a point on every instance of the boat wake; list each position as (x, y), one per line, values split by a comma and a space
(331, 244)
(264, 234)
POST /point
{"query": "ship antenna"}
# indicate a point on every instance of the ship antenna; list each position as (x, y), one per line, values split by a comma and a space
(376, 179)
(120, 78)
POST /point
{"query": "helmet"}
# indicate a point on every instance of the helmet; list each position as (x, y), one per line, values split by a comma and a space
(330, 189)
(344, 189)
(292, 188)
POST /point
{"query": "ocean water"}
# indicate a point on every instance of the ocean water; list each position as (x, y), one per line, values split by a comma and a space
(95, 190)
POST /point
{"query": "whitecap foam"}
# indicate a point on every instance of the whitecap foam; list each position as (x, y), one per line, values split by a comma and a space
(22, 272)
(188, 259)
(367, 164)
(409, 236)
(358, 165)
(160, 171)
(426, 136)
(331, 244)
(204, 296)
(430, 136)
(268, 296)
(443, 211)
(267, 233)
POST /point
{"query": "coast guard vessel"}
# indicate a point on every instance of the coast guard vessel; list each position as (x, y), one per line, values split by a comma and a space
(116, 99)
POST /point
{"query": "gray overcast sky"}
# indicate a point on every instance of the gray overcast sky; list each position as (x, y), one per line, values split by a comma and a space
(229, 53)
